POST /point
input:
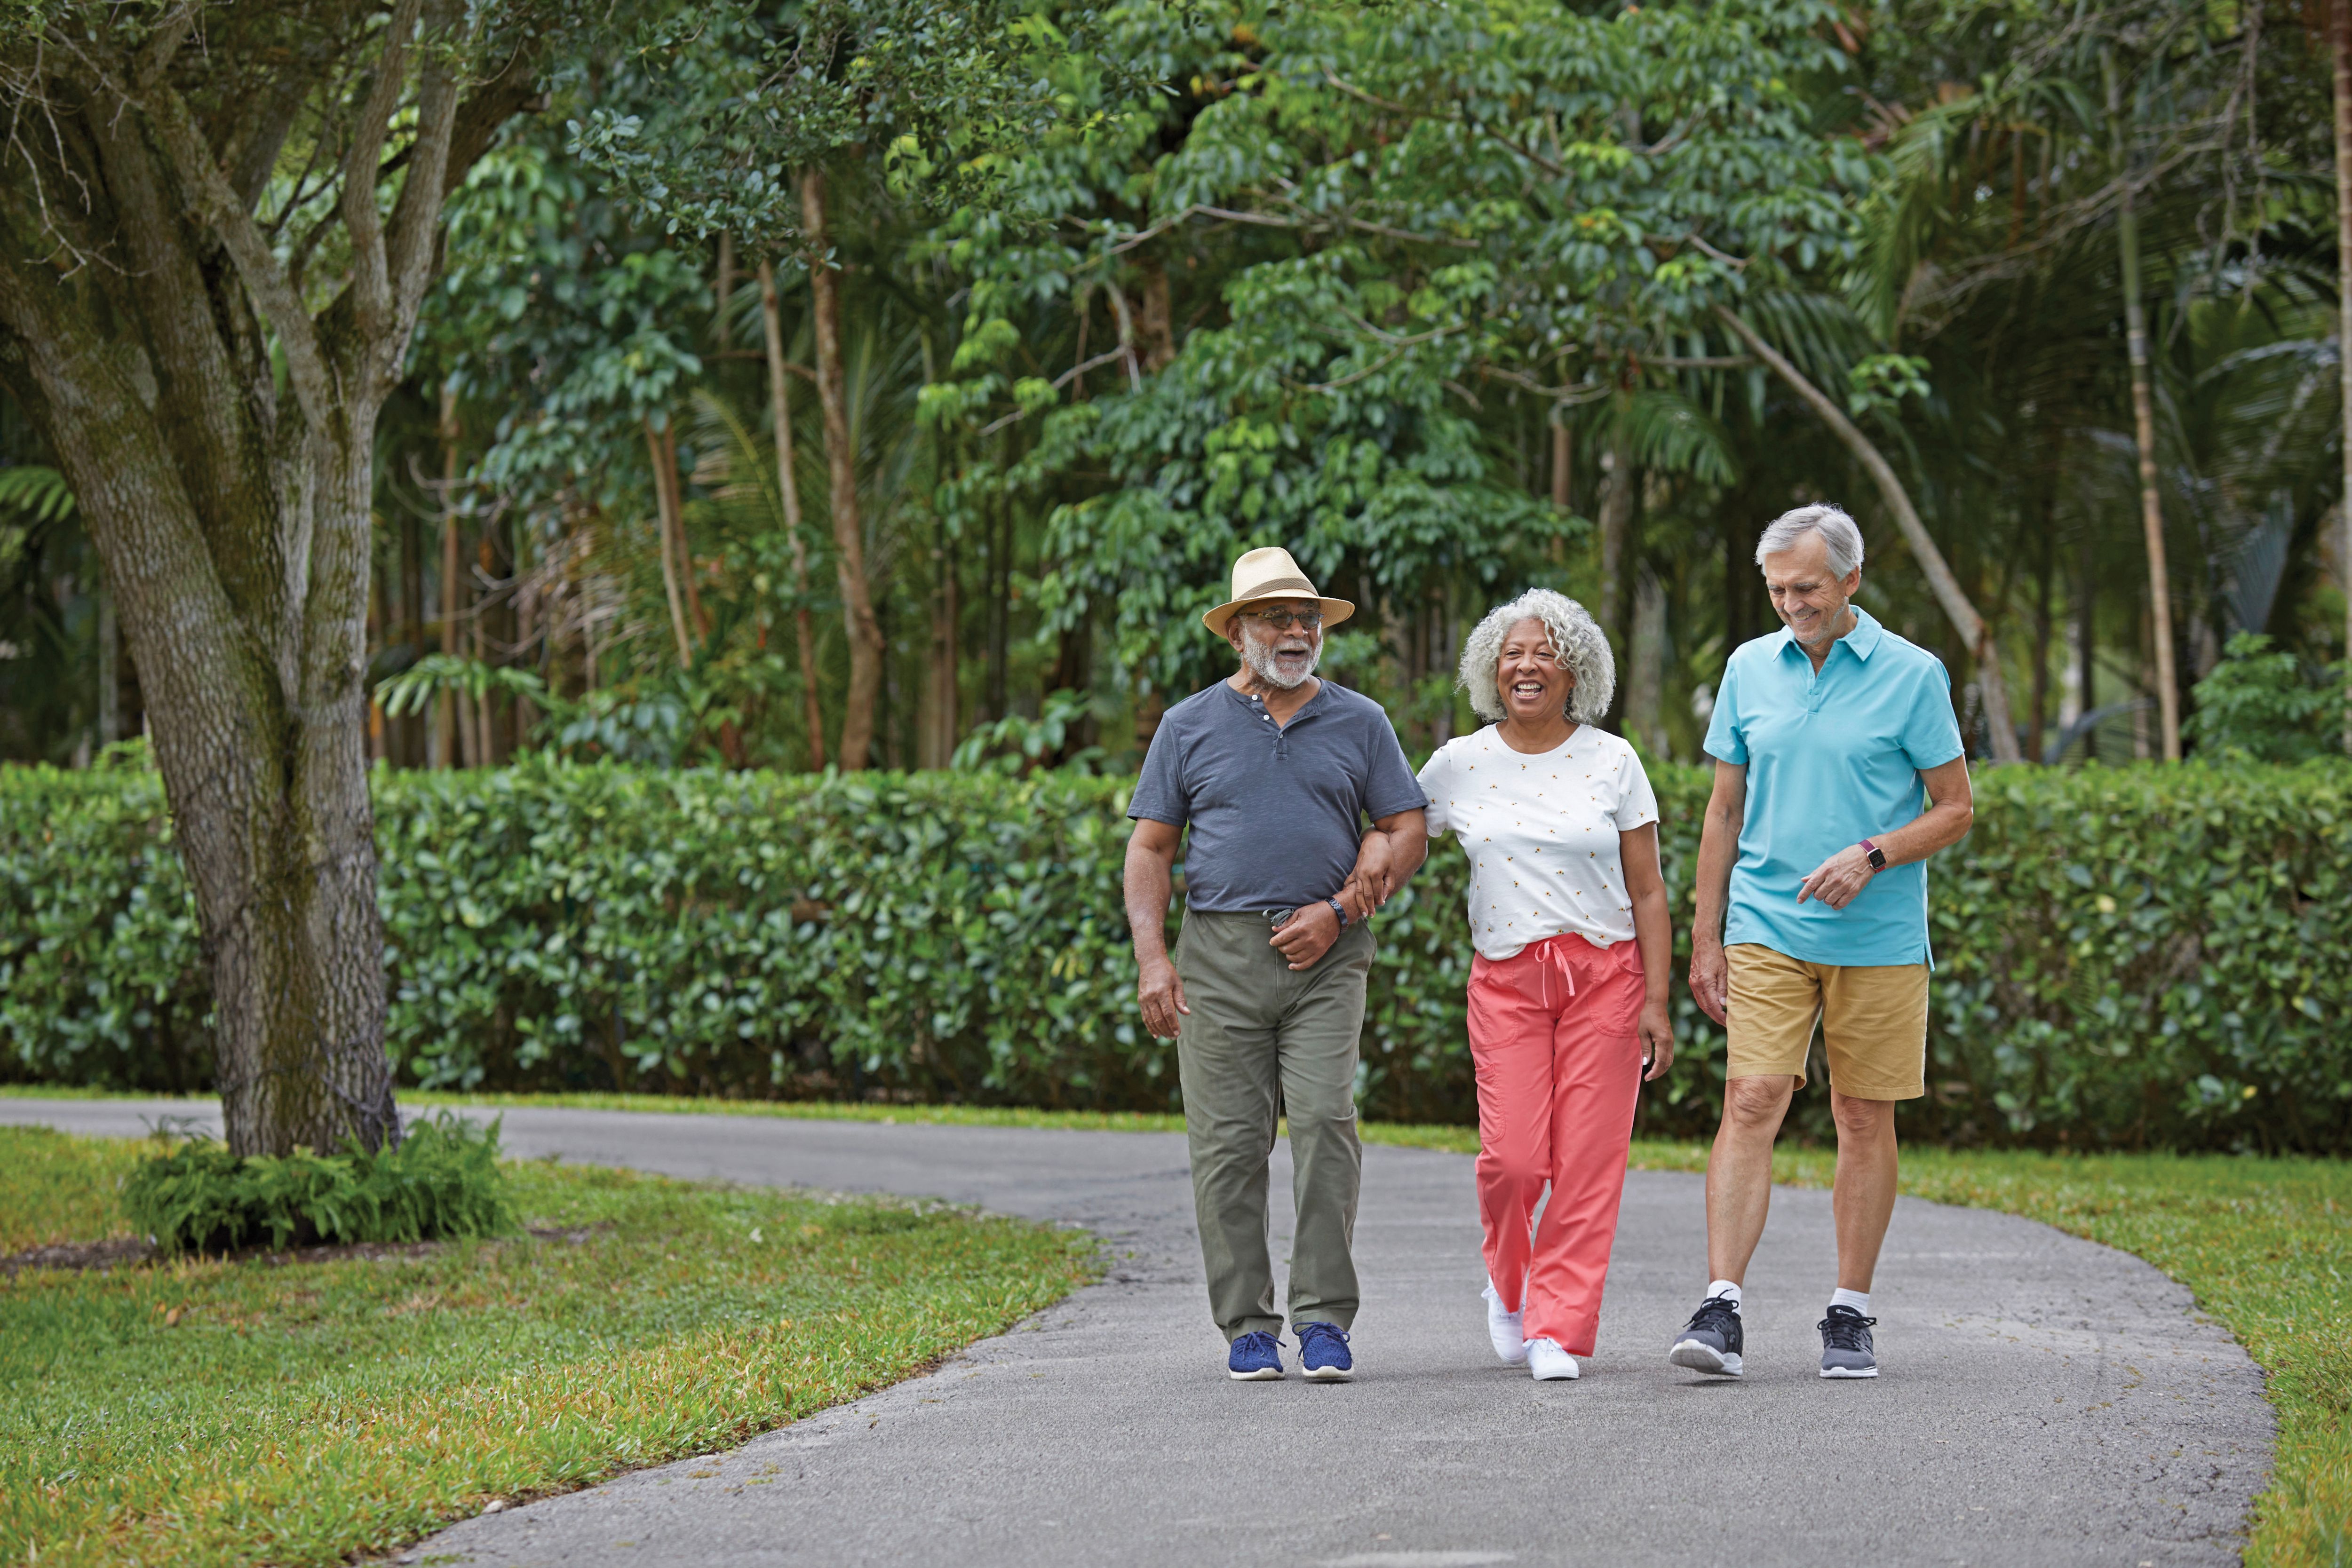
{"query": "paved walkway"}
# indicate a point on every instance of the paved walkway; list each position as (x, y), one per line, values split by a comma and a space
(2045, 1401)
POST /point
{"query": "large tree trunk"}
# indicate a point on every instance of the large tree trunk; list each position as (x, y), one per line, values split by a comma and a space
(841, 470)
(2151, 500)
(788, 489)
(219, 441)
(1974, 630)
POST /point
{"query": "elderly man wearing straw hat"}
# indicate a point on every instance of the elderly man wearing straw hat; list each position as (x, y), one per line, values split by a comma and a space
(1275, 773)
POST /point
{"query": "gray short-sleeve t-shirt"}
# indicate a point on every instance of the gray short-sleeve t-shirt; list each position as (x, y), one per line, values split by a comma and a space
(1276, 811)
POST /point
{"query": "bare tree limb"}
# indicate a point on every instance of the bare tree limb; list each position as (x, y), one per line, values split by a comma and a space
(370, 290)
(217, 202)
(1972, 627)
(155, 56)
(416, 216)
(513, 91)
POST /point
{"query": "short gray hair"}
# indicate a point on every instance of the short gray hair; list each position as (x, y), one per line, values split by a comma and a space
(1582, 649)
(1837, 531)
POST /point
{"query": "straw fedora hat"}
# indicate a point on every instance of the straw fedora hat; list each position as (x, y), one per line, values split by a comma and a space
(1270, 573)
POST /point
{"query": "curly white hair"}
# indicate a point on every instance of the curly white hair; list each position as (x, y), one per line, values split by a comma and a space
(1576, 639)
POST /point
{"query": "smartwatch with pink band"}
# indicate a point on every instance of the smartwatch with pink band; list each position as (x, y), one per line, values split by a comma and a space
(1877, 856)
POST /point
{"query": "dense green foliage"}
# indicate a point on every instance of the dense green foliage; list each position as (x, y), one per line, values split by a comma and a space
(201, 1414)
(1424, 294)
(441, 1182)
(2126, 957)
(2261, 702)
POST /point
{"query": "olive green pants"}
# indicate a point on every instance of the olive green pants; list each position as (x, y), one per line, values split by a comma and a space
(1261, 1043)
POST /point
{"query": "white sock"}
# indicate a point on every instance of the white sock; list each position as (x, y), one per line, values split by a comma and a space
(1728, 1290)
(1858, 1300)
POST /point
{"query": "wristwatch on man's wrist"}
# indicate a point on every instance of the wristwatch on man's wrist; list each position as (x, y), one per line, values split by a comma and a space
(1877, 856)
(1341, 910)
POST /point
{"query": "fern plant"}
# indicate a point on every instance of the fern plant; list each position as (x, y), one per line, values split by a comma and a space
(441, 1182)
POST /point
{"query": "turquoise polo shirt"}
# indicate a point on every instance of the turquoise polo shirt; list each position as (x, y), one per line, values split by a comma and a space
(1831, 758)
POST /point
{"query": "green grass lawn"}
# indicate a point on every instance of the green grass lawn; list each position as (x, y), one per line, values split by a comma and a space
(198, 1412)
(2264, 1244)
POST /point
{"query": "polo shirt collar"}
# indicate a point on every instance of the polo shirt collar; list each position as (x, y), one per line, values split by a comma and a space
(1322, 689)
(1863, 638)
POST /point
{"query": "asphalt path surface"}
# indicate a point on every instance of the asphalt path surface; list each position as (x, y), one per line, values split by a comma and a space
(2044, 1400)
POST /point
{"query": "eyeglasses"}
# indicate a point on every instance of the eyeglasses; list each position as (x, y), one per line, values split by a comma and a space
(1282, 620)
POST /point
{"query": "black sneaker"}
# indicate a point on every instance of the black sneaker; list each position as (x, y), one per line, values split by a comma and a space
(1845, 1344)
(1711, 1341)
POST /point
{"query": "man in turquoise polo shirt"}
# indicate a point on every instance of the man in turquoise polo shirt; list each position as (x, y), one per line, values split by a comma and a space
(1812, 908)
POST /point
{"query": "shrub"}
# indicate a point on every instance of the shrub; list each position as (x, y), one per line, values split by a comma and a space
(441, 1182)
(2129, 957)
(2265, 706)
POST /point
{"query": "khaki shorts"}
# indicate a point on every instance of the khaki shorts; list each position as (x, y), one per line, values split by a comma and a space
(1873, 1019)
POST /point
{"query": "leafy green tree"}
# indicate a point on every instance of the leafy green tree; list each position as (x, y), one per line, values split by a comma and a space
(219, 221)
(1421, 209)
(743, 120)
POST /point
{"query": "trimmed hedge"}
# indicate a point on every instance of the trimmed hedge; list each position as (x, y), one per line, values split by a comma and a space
(2131, 957)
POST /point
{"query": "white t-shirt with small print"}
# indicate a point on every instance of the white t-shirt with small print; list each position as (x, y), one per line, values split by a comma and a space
(1541, 833)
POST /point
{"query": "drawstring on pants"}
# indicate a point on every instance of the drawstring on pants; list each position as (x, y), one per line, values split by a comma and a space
(1551, 955)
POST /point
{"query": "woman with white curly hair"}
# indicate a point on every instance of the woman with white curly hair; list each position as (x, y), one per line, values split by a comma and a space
(1568, 992)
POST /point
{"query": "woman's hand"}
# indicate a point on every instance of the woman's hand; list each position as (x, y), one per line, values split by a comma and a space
(1374, 876)
(1656, 1032)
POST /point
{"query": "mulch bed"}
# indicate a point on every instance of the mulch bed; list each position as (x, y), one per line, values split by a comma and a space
(126, 1249)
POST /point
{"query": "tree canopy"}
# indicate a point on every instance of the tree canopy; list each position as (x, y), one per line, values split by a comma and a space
(875, 383)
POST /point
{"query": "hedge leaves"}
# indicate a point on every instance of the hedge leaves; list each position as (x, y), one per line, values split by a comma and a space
(2125, 956)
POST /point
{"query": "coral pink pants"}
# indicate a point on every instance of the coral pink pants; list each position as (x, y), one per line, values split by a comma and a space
(1553, 1035)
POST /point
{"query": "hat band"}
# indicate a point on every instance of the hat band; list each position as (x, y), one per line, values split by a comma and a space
(1282, 585)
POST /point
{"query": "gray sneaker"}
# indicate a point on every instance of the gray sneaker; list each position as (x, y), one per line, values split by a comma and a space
(1845, 1344)
(1710, 1341)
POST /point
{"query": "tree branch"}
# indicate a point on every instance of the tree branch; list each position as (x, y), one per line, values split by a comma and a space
(155, 56)
(416, 216)
(217, 204)
(1574, 395)
(371, 285)
(513, 91)
(1065, 379)
(273, 120)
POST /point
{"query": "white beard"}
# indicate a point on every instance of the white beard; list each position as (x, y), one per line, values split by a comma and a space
(1259, 656)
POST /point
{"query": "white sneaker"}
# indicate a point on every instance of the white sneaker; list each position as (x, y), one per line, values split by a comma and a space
(1546, 1363)
(1503, 1328)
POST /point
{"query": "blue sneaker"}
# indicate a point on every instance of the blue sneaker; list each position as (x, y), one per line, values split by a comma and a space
(1255, 1358)
(1323, 1354)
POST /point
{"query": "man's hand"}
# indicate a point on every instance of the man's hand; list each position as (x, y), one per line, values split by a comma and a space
(1161, 992)
(1710, 978)
(1839, 878)
(1657, 1036)
(1307, 935)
